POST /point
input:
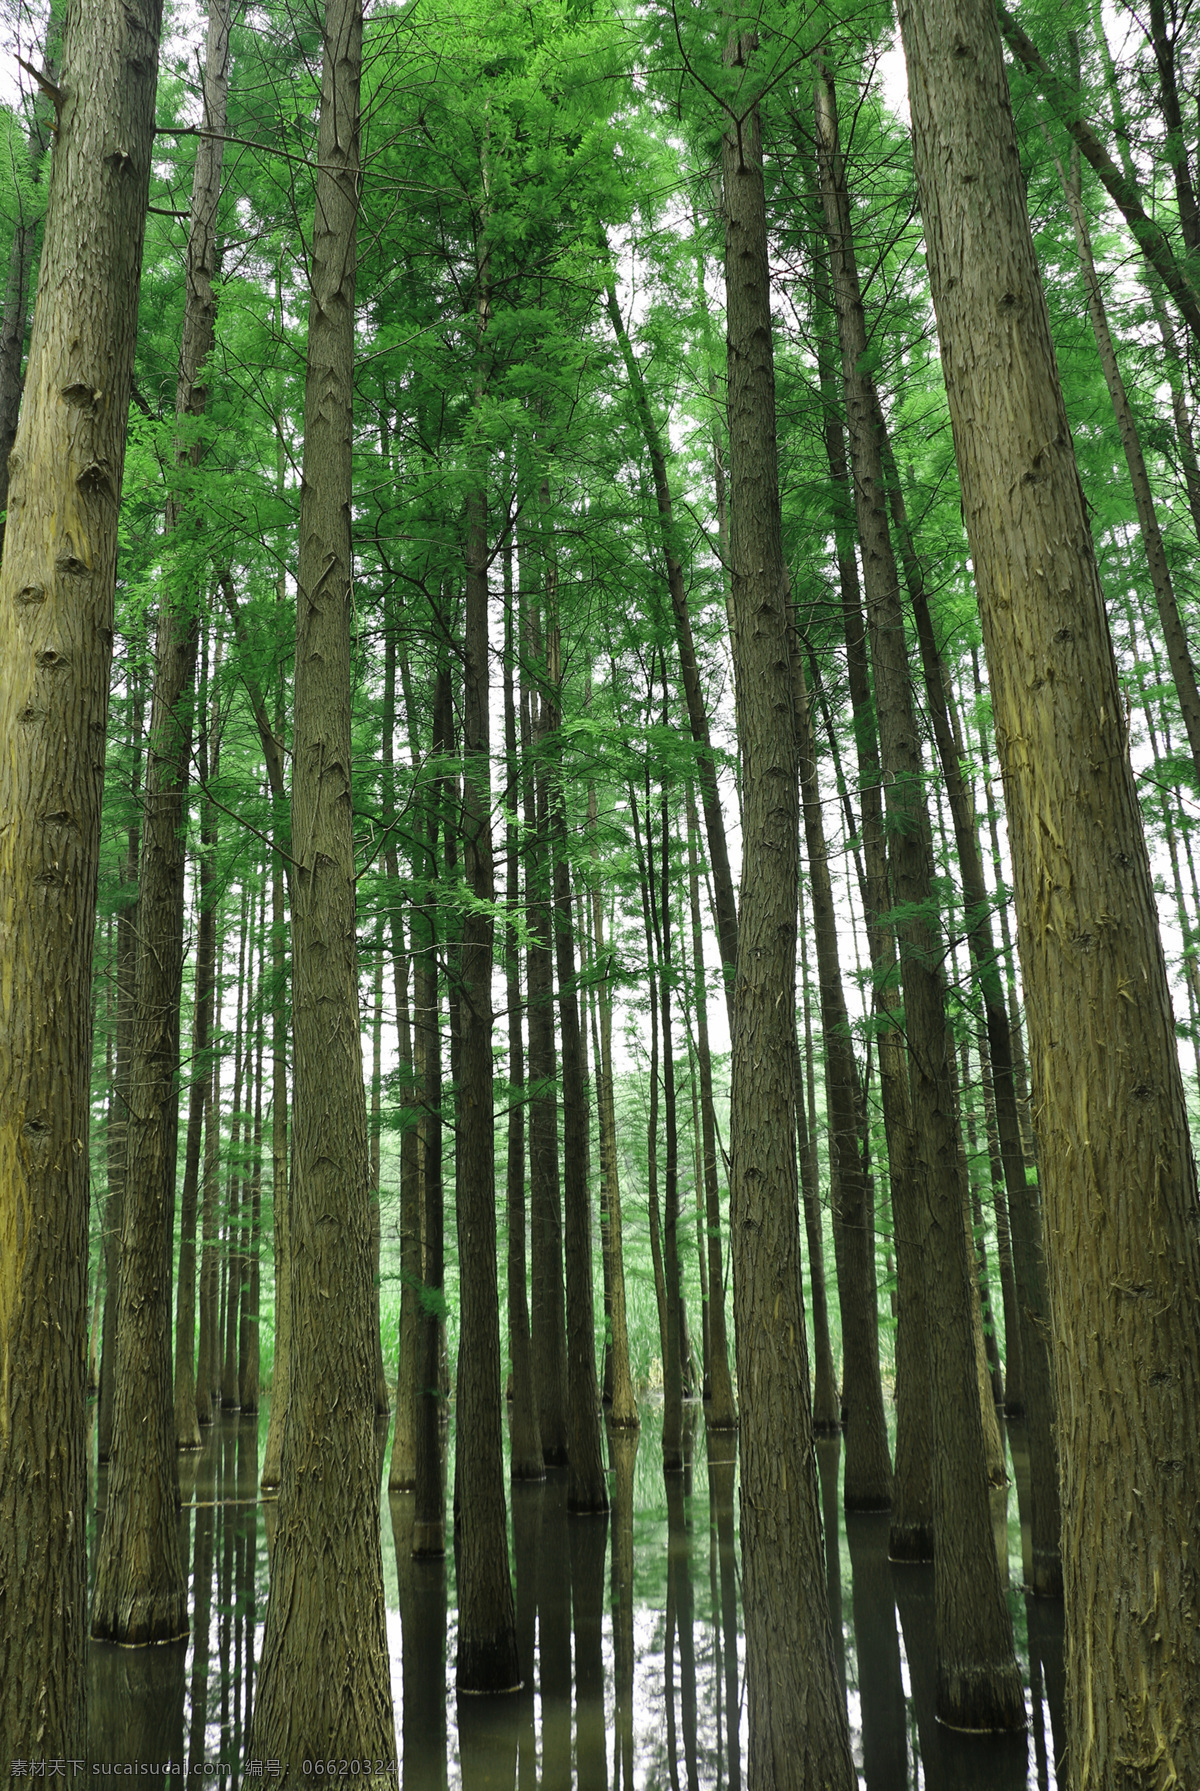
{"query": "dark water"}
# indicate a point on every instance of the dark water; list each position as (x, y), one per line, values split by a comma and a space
(630, 1638)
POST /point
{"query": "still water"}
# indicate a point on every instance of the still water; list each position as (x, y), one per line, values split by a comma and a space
(629, 1630)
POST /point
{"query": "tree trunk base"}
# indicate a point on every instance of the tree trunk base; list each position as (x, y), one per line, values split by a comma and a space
(429, 1541)
(910, 1542)
(487, 1668)
(980, 1699)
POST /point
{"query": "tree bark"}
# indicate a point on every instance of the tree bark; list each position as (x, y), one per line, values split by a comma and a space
(324, 1686)
(797, 1716)
(487, 1640)
(1118, 1176)
(56, 623)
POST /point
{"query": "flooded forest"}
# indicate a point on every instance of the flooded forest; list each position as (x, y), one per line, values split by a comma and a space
(599, 916)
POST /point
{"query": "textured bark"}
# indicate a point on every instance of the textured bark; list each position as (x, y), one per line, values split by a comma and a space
(140, 1594)
(56, 622)
(1118, 1177)
(979, 1685)
(487, 1640)
(227, 1340)
(797, 1717)
(324, 1686)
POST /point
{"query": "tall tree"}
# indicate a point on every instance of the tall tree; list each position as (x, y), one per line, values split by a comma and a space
(798, 1729)
(324, 1687)
(1118, 1175)
(56, 627)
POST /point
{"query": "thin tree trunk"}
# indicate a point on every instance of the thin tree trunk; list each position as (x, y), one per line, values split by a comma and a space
(118, 1154)
(722, 1412)
(187, 1424)
(525, 1436)
(827, 1410)
(1117, 1171)
(429, 1521)
(797, 1716)
(487, 1638)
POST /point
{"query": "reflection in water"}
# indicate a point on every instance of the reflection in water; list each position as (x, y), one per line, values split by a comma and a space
(422, 1592)
(623, 1448)
(526, 1498)
(880, 1686)
(637, 1645)
(828, 1451)
(589, 1545)
(681, 1612)
(722, 1470)
(554, 1633)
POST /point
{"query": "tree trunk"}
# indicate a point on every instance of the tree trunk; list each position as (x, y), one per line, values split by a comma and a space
(547, 1317)
(187, 1422)
(324, 1686)
(118, 1153)
(18, 291)
(429, 1521)
(827, 1408)
(56, 620)
(1118, 1176)
(868, 1478)
(487, 1639)
(797, 1716)
(587, 1491)
(979, 1686)
(722, 1412)
(525, 1436)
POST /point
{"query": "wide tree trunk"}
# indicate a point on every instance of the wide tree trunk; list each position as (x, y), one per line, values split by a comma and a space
(1118, 1175)
(324, 1687)
(56, 623)
(797, 1717)
(979, 1686)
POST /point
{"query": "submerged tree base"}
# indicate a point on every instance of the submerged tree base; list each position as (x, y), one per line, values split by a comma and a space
(910, 1542)
(980, 1699)
(489, 1666)
(144, 1620)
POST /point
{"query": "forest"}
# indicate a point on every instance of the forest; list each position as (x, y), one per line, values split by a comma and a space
(599, 916)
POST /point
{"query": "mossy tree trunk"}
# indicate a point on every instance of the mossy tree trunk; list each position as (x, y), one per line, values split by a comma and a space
(1117, 1170)
(56, 629)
